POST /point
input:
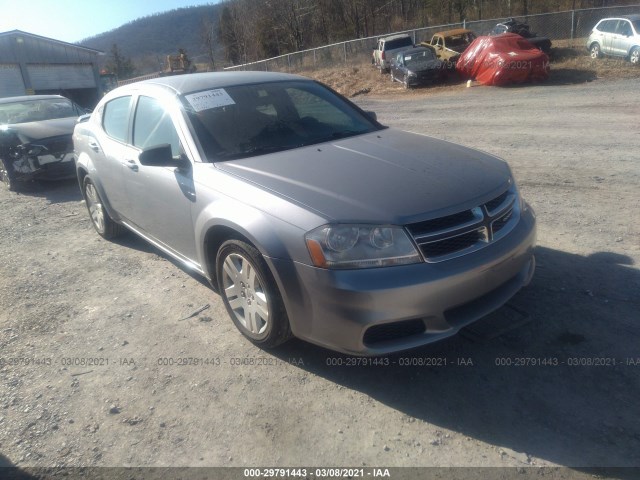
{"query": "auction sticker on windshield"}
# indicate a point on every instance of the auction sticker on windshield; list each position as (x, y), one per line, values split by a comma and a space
(209, 99)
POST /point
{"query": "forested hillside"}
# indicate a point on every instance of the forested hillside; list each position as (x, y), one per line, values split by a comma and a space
(236, 31)
(147, 41)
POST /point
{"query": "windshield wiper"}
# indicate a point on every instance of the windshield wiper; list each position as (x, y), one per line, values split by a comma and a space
(255, 151)
(338, 135)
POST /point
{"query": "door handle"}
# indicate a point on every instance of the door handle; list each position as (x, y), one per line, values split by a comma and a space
(94, 146)
(131, 164)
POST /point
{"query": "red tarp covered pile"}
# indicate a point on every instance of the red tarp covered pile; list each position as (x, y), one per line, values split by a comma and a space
(503, 59)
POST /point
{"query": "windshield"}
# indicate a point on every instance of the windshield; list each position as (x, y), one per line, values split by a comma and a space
(248, 120)
(37, 110)
(419, 60)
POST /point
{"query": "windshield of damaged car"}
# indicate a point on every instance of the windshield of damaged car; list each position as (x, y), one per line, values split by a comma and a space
(37, 110)
(419, 60)
(249, 120)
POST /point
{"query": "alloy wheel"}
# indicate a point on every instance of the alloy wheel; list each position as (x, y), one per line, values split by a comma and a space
(95, 206)
(245, 292)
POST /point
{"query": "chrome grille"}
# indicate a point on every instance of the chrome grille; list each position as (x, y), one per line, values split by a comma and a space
(464, 232)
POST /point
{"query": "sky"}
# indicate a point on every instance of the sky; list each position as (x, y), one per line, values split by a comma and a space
(74, 20)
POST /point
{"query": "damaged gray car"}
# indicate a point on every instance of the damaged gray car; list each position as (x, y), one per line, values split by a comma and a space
(35, 139)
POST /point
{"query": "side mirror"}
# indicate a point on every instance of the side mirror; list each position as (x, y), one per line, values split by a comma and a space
(372, 115)
(83, 118)
(161, 156)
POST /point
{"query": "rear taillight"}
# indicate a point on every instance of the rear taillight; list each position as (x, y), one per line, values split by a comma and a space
(382, 56)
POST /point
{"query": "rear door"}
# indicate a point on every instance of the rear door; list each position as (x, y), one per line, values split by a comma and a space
(108, 146)
(608, 29)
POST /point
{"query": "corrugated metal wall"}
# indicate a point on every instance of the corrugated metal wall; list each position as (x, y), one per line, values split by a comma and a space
(49, 77)
(29, 63)
(11, 83)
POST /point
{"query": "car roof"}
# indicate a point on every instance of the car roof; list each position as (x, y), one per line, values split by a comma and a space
(416, 50)
(195, 82)
(24, 98)
(623, 17)
(393, 37)
(455, 31)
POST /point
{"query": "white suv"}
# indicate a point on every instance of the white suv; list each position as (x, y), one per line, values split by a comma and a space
(387, 48)
(616, 36)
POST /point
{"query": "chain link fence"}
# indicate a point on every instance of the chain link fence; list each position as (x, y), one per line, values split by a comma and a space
(569, 28)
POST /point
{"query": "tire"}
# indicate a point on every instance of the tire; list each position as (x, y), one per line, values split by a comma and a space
(102, 222)
(634, 56)
(595, 50)
(391, 75)
(8, 177)
(250, 294)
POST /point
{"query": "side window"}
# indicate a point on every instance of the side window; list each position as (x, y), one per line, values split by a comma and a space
(624, 28)
(608, 26)
(115, 119)
(152, 126)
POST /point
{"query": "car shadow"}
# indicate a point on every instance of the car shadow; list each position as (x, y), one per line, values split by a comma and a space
(9, 471)
(60, 191)
(558, 388)
(133, 241)
(570, 76)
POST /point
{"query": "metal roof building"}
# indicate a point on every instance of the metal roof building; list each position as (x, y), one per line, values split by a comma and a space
(31, 64)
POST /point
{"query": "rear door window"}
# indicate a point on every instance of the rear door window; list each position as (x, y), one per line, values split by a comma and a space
(115, 119)
(608, 26)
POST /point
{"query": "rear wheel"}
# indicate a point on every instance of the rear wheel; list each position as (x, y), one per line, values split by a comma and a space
(634, 56)
(251, 295)
(595, 51)
(102, 222)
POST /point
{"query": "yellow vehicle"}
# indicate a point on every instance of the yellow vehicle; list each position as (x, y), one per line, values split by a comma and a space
(450, 44)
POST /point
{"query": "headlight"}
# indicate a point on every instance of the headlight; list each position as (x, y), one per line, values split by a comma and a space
(411, 74)
(360, 246)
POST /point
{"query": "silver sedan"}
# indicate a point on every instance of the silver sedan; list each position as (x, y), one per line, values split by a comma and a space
(309, 217)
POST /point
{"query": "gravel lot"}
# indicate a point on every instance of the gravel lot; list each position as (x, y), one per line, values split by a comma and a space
(89, 328)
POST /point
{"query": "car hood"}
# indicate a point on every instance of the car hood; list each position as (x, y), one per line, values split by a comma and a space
(425, 67)
(388, 176)
(34, 131)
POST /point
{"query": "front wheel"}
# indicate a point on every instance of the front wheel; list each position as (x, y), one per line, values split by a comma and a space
(102, 222)
(8, 177)
(634, 56)
(595, 51)
(251, 295)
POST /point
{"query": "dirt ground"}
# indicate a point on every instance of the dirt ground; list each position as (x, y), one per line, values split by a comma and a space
(101, 367)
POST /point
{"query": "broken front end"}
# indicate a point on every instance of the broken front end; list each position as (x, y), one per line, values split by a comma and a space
(45, 159)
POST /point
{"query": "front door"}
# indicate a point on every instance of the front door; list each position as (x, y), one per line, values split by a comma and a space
(161, 197)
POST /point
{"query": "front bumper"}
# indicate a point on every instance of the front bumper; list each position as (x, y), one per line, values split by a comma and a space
(46, 167)
(384, 310)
